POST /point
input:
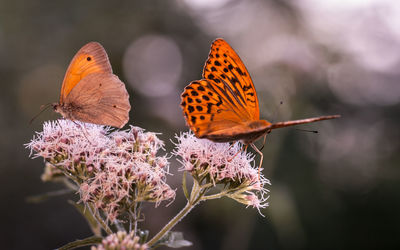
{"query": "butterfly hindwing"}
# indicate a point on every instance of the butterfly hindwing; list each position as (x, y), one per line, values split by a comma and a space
(226, 70)
(91, 58)
(100, 98)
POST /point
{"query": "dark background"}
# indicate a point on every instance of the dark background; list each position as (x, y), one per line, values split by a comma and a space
(338, 189)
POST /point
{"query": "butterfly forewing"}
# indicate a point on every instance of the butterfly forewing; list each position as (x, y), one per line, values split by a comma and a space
(99, 98)
(204, 109)
(91, 58)
(226, 71)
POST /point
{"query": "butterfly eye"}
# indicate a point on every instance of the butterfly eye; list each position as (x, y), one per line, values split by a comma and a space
(88, 58)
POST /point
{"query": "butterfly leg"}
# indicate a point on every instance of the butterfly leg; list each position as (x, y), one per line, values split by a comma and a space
(261, 160)
(265, 139)
(85, 132)
(238, 152)
(59, 124)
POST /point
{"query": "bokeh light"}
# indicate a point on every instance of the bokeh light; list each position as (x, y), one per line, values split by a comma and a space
(153, 64)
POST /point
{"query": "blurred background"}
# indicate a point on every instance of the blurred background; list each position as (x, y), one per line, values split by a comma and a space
(338, 189)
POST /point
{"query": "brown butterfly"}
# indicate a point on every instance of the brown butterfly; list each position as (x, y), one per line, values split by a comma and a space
(223, 106)
(91, 92)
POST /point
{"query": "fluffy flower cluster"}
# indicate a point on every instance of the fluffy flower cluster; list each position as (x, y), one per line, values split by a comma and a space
(223, 163)
(120, 241)
(113, 170)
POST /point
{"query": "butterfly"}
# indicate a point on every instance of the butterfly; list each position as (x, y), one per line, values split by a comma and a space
(223, 106)
(90, 92)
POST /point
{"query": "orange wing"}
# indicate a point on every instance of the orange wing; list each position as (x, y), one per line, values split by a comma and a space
(91, 58)
(100, 98)
(225, 101)
(207, 111)
(230, 78)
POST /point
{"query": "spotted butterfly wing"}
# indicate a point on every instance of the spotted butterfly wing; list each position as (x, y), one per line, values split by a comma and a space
(207, 112)
(221, 106)
(226, 71)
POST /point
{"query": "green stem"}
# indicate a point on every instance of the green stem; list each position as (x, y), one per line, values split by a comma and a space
(70, 185)
(171, 224)
(99, 219)
(184, 186)
(213, 196)
(136, 214)
(226, 192)
(193, 201)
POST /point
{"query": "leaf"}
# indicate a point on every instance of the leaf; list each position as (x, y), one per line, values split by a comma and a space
(42, 197)
(174, 240)
(80, 243)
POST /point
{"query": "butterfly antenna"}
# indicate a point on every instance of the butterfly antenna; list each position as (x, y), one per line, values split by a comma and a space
(42, 109)
(302, 121)
(306, 130)
(261, 160)
(238, 152)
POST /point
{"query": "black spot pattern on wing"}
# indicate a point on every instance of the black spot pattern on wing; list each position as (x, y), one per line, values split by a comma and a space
(230, 80)
(200, 111)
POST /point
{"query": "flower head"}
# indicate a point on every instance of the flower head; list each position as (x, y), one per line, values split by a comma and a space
(120, 241)
(113, 170)
(223, 163)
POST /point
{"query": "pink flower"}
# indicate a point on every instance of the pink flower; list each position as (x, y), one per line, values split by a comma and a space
(113, 170)
(120, 240)
(223, 163)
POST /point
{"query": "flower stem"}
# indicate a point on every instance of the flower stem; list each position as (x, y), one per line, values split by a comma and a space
(99, 219)
(192, 202)
(171, 224)
(213, 196)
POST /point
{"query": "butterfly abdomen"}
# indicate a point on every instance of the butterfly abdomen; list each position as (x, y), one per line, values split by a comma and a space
(247, 133)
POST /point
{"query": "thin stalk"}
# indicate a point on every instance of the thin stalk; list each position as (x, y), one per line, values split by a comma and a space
(119, 226)
(70, 185)
(171, 224)
(99, 220)
(193, 201)
(213, 196)
(135, 218)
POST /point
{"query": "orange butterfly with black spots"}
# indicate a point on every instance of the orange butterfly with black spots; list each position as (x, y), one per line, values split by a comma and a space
(223, 106)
